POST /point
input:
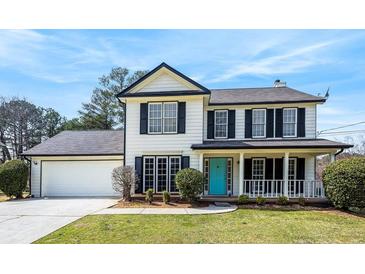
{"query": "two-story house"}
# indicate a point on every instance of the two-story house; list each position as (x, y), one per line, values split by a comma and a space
(253, 141)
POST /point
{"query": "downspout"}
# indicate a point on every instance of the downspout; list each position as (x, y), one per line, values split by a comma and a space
(339, 152)
(124, 105)
(30, 175)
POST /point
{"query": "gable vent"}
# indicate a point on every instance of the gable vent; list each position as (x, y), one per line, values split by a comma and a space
(279, 84)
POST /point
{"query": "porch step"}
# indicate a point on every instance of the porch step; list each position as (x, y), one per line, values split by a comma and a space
(222, 204)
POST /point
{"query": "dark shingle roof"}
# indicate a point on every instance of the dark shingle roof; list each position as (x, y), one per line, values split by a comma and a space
(256, 144)
(264, 95)
(78, 143)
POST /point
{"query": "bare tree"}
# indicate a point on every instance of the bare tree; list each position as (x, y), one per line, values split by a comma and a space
(124, 179)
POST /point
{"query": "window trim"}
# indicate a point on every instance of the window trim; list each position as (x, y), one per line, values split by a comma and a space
(295, 124)
(263, 169)
(162, 118)
(169, 172)
(155, 157)
(149, 118)
(215, 124)
(158, 173)
(144, 171)
(295, 168)
(252, 124)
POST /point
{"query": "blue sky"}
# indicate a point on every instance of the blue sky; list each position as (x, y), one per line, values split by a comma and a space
(60, 68)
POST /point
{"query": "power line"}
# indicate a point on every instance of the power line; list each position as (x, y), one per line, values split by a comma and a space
(350, 125)
(343, 132)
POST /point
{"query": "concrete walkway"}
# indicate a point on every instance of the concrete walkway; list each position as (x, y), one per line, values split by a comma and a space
(211, 209)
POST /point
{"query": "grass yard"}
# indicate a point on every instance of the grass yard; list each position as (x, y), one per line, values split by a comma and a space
(241, 226)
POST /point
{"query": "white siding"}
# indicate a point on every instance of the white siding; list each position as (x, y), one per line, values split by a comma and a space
(310, 122)
(310, 118)
(143, 144)
(35, 179)
(164, 83)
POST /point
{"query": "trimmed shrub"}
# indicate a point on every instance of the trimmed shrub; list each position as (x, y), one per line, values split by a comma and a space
(124, 179)
(243, 199)
(260, 200)
(13, 178)
(282, 200)
(301, 201)
(149, 195)
(190, 183)
(344, 182)
(166, 197)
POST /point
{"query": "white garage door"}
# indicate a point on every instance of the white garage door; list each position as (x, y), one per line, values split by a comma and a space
(78, 178)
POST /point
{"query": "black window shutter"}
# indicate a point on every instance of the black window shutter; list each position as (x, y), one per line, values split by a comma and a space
(269, 169)
(279, 123)
(279, 168)
(269, 123)
(248, 123)
(181, 117)
(301, 122)
(143, 118)
(139, 169)
(185, 162)
(232, 124)
(248, 169)
(300, 168)
(210, 134)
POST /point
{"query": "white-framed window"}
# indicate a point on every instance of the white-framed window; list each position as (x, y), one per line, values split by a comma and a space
(229, 175)
(258, 123)
(175, 166)
(148, 173)
(289, 122)
(206, 174)
(161, 174)
(170, 117)
(258, 169)
(155, 118)
(221, 123)
(162, 118)
(292, 172)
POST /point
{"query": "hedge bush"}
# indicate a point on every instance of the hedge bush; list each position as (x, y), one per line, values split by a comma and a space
(190, 183)
(149, 195)
(260, 200)
(282, 200)
(166, 197)
(344, 182)
(243, 199)
(14, 178)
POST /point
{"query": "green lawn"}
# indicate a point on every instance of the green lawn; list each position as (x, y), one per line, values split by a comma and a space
(241, 226)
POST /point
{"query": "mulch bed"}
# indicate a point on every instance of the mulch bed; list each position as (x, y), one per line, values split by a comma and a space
(176, 203)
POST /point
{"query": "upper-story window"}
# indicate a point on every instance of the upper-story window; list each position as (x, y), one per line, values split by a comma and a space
(258, 123)
(221, 123)
(162, 117)
(289, 122)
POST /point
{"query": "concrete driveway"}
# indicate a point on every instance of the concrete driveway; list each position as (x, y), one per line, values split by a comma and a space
(24, 221)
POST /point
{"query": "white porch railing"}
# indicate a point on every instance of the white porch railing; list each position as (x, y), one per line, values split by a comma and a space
(276, 188)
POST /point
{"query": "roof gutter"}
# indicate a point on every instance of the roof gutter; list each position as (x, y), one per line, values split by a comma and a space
(339, 152)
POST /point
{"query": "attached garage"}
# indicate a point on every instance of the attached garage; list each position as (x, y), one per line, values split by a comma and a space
(78, 178)
(76, 163)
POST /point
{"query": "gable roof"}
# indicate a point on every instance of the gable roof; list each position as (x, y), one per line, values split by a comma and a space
(81, 143)
(124, 93)
(265, 95)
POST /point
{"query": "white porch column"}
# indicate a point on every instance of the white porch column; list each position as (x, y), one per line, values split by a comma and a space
(240, 173)
(332, 157)
(286, 174)
(201, 162)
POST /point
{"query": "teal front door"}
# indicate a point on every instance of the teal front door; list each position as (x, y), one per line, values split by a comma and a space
(218, 176)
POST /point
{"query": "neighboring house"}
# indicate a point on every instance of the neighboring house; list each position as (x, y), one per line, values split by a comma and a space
(254, 141)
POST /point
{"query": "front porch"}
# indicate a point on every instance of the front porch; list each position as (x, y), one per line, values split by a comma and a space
(269, 174)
